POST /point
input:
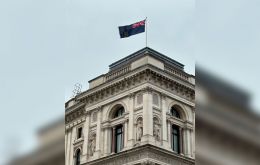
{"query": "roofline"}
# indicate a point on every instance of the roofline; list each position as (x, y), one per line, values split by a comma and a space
(152, 53)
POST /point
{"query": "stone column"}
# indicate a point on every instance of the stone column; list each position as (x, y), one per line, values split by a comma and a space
(98, 133)
(66, 141)
(147, 116)
(131, 121)
(113, 140)
(125, 134)
(106, 141)
(181, 140)
(73, 137)
(192, 143)
(85, 136)
(164, 122)
(169, 135)
(187, 142)
(193, 133)
(68, 148)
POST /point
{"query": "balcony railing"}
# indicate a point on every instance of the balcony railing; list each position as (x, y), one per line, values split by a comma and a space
(116, 73)
(176, 72)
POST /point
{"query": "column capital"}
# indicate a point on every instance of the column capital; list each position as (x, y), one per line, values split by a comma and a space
(164, 96)
(131, 95)
(147, 89)
(99, 108)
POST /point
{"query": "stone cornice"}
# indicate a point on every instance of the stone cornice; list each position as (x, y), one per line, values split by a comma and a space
(143, 154)
(73, 115)
(146, 74)
(132, 74)
(74, 107)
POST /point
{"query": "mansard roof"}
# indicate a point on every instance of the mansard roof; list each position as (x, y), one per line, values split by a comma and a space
(143, 52)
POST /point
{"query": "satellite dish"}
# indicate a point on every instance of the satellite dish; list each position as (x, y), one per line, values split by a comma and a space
(76, 90)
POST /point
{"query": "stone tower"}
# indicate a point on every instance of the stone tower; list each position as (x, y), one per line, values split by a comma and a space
(140, 112)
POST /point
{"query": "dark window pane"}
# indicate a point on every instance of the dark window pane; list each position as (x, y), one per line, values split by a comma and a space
(174, 112)
(175, 139)
(119, 112)
(79, 132)
(77, 160)
(118, 139)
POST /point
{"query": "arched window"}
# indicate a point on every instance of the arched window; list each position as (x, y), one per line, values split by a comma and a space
(175, 138)
(119, 111)
(77, 158)
(117, 139)
(117, 130)
(174, 112)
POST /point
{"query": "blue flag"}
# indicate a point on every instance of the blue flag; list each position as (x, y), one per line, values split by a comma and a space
(128, 30)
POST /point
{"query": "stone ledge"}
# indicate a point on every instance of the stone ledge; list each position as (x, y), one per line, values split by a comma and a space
(143, 153)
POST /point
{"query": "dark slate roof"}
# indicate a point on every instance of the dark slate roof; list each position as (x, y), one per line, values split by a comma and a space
(141, 53)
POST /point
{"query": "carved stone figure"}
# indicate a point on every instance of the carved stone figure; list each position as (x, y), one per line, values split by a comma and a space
(139, 130)
(92, 145)
(156, 129)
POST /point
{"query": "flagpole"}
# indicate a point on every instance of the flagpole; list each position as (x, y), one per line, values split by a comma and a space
(146, 32)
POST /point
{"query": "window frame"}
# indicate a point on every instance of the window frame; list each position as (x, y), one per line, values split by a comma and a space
(117, 136)
(175, 133)
(79, 132)
(77, 157)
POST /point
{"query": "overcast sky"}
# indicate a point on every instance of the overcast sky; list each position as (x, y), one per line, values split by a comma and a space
(46, 46)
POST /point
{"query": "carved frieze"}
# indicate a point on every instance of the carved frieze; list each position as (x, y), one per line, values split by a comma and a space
(136, 79)
(74, 115)
(146, 155)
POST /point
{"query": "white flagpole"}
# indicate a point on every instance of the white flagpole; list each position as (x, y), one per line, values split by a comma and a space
(146, 31)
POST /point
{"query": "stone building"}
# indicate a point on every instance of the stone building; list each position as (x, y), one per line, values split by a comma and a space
(140, 112)
(227, 128)
(49, 151)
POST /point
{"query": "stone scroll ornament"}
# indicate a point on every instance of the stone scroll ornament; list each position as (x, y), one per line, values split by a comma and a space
(92, 145)
(139, 129)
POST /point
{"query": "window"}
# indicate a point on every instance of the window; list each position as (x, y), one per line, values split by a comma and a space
(77, 159)
(118, 139)
(79, 132)
(117, 131)
(117, 143)
(119, 112)
(175, 139)
(174, 112)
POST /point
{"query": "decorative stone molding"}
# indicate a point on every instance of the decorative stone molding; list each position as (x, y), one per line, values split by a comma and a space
(131, 95)
(156, 129)
(74, 115)
(147, 90)
(92, 144)
(139, 129)
(146, 75)
(143, 154)
(80, 120)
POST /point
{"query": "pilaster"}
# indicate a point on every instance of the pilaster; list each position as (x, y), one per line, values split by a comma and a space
(98, 134)
(106, 141)
(68, 148)
(131, 121)
(85, 136)
(125, 134)
(147, 116)
(164, 122)
(73, 137)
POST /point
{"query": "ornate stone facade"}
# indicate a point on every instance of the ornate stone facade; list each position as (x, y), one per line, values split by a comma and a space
(126, 115)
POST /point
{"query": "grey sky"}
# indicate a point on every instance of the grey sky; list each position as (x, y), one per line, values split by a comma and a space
(49, 45)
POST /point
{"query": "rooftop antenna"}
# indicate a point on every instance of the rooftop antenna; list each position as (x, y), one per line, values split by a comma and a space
(76, 90)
